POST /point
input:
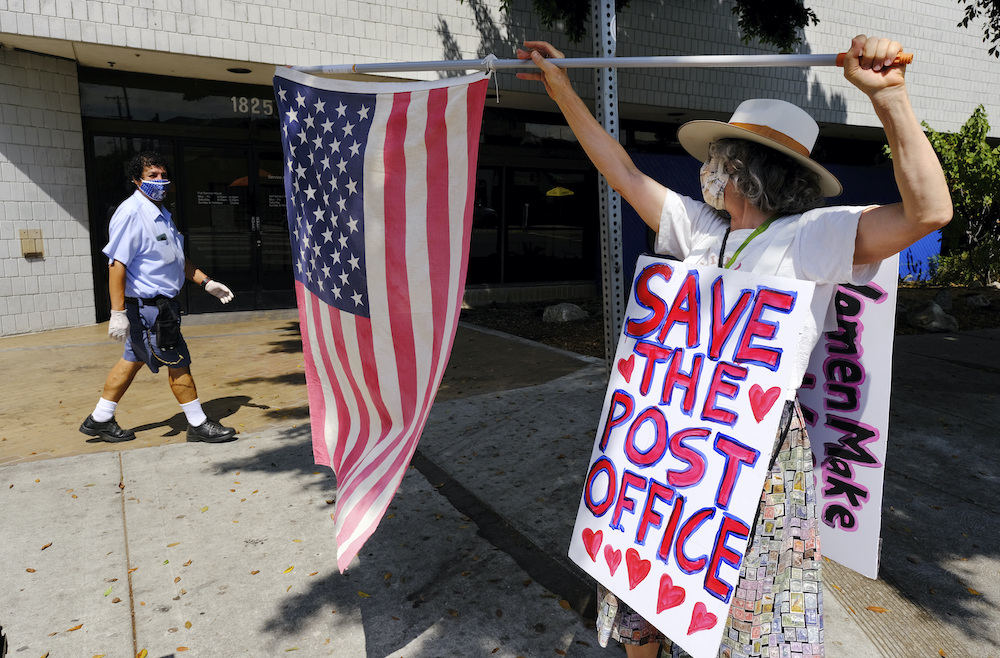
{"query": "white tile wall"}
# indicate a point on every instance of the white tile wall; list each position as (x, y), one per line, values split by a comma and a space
(42, 187)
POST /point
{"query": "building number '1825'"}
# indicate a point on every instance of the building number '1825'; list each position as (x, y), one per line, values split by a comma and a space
(245, 105)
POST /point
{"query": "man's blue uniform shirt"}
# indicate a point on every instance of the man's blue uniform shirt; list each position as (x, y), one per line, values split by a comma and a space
(145, 240)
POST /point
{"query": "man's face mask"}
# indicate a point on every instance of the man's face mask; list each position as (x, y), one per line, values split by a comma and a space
(155, 189)
(713, 184)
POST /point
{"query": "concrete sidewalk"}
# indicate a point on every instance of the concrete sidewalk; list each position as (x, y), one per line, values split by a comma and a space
(227, 550)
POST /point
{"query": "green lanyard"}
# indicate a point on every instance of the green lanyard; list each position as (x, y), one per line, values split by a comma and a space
(760, 229)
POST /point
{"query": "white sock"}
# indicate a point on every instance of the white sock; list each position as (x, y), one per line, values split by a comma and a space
(104, 411)
(193, 412)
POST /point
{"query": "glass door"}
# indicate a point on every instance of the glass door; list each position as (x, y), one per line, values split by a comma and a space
(275, 284)
(214, 199)
(234, 214)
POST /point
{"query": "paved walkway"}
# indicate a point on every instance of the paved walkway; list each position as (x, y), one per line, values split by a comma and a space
(225, 550)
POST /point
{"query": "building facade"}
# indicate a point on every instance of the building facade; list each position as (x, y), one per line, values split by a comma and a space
(84, 84)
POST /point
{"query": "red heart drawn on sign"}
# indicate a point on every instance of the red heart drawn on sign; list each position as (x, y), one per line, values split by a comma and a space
(625, 367)
(592, 541)
(671, 595)
(761, 401)
(638, 568)
(613, 558)
(701, 619)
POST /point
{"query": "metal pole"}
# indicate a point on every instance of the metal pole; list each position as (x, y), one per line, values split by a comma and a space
(491, 63)
(606, 111)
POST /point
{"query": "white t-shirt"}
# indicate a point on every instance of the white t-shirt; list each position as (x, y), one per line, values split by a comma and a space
(821, 249)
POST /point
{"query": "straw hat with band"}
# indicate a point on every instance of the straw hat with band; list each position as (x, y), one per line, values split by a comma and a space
(773, 123)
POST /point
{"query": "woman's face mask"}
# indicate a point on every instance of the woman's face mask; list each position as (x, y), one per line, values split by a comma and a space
(713, 184)
(155, 189)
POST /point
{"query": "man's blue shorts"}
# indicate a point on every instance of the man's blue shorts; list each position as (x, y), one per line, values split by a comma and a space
(141, 342)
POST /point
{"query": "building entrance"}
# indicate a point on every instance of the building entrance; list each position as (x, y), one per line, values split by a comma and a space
(220, 141)
(232, 201)
(229, 202)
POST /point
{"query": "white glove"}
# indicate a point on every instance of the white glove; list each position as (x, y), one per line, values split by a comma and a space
(219, 290)
(118, 326)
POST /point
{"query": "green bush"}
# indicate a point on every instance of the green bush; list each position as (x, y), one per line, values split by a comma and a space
(970, 244)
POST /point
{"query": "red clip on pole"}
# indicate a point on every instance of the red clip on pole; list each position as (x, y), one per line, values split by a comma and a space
(902, 59)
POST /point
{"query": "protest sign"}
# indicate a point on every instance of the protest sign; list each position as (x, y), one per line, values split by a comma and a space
(845, 402)
(695, 396)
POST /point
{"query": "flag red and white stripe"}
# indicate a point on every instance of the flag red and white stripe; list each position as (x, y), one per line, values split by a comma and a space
(380, 185)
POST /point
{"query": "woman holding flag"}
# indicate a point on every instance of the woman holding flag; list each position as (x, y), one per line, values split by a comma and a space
(762, 213)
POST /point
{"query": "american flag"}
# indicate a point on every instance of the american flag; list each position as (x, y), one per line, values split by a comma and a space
(379, 181)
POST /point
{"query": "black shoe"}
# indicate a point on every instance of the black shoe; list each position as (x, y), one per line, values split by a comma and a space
(211, 432)
(109, 431)
(3, 643)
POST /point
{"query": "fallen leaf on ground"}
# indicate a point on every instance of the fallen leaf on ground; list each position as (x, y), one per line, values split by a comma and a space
(875, 608)
(142, 654)
(204, 509)
(107, 591)
(362, 594)
(30, 570)
(289, 569)
(75, 628)
(564, 604)
(187, 624)
(254, 573)
(182, 648)
(177, 579)
(172, 545)
(46, 546)
(187, 564)
(973, 592)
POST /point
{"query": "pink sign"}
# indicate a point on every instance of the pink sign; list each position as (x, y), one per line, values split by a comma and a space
(700, 376)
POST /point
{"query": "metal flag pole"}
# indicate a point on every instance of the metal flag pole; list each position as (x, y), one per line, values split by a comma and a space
(606, 112)
(491, 63)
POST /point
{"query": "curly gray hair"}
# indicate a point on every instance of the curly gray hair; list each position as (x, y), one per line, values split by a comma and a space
(768, 179)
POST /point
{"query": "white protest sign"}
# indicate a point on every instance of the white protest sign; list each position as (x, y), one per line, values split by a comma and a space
(693, 404)
(845, 401)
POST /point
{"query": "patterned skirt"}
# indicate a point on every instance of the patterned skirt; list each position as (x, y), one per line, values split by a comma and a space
(777, 607)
